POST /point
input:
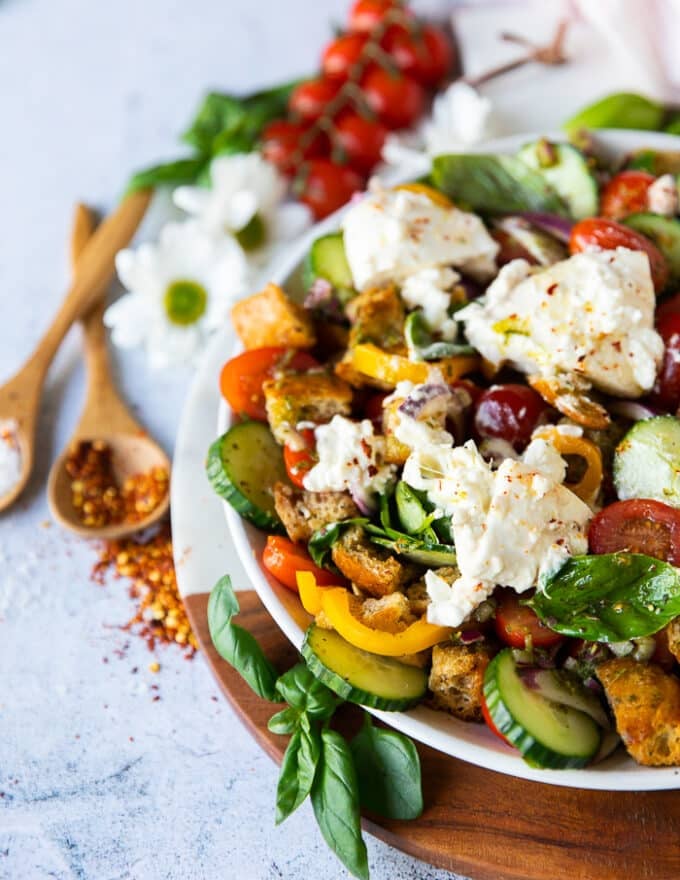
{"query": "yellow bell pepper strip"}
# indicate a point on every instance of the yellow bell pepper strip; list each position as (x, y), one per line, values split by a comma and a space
(434, 195)
(418, 636)
(588, 486)
(391, 369)
(310, 591)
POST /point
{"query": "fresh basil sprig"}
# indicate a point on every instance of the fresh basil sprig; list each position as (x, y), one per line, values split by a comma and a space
(298, 768)
(609, 598)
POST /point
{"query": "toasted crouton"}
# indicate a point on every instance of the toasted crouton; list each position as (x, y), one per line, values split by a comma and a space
(395, 451)
(673, 636)
(457, 678)
(270, 318)
(302, 512)
(371, 567)
(389, 613)
(646, 705)
(377, 316)
(418, 599)
(291, 398)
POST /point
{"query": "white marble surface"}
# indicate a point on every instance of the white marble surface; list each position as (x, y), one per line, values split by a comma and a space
(97, 779)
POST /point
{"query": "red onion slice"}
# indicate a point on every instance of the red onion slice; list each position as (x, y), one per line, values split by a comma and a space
(554, 224)
(631, 409)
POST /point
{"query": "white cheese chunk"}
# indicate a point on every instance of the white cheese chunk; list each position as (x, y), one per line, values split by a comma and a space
(392, 234)
(662, 196)
(592, 314)
(430, 289)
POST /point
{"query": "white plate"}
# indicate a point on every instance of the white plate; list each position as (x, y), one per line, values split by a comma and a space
(470, 742)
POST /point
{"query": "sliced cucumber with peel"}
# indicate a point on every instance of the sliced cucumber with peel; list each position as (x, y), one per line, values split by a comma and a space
(360, 677)
(566, 170)
(647, 461)
(327, 260)
(547, 733)
(243, 465)
(664, 232)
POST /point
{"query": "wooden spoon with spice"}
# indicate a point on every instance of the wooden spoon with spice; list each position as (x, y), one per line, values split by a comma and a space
(112, 479)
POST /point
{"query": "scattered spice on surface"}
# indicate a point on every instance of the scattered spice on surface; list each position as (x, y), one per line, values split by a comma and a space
(149, 565)
(96, 494)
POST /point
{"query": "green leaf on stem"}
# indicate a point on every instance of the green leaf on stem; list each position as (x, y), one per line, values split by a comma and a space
(620, 110)
(298, 769)
(305, 693)
(178, 173)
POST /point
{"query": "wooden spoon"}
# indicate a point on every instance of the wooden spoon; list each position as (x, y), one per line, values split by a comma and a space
(20, 396)
(105, 417)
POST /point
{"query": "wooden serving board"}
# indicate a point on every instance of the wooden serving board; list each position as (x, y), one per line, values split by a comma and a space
(476, 822)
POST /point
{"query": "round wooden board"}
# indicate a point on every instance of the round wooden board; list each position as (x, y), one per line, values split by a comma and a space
(476, 822)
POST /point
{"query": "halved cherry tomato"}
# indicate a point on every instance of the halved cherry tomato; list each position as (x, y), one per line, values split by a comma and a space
(510, 412)
(373, 410)
(366, 14)
(639, 525)
(242, 377)
(489, 722)
(626, 193)
(598, 232)
(361, 140)
(670, 306)
(282, 558)
(327, 186)
(666, 391)
(397, 99)
(516, 624)
(341, 55)
(310, 98)
(426, 55)
(281, 145)
(300, 461)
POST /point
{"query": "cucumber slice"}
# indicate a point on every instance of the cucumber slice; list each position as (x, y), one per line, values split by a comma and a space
(569, 175)
(421, 552)
(547, 733)
(561, 687)
(647, 461)
(355, 675)
(243, 465)
(664, 232)
(327, 259)
(412, 514)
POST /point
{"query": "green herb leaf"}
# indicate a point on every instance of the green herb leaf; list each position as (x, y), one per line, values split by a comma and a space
(494, 184)
(335, 798)
(236, 645)
(298, 769)
(422, 344)
(284, 722)
(388, 770)
(305, 693)
(182, 171)
(621, 110)
(609, 598)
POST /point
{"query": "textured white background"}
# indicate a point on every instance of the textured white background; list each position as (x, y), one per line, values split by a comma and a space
(97, 780)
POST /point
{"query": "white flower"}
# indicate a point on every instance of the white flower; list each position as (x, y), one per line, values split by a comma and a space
(460, 118)
(246, 200)
(179, 291)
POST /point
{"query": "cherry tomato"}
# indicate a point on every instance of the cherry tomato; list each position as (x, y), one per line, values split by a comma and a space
(510, 412)
(242, 377)
(373, 410)
(671, 306)
(300, 461)
(327, 186)
(282, 558)
(361, 139)
(598, 232)
(515, 624)
(341, 55)
(426, 55)
(510, 248)
(281, 145)
(639, 525)
(309, 99)
(365, 15)
(666, 391)
(397, 99)
(489, 722)
(626, 193)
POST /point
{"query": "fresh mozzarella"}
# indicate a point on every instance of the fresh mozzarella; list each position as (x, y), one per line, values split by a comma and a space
(430, 289)
(510, 525)
(662, 196)
(592, 314)
(392, 234)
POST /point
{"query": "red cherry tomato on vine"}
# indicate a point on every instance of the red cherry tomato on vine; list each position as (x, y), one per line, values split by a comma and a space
(327, 186)
(509, 412)
(666, 391)
(606, 234)
(361, 140)
(640, 525)
(309, 99)
(242, 377)
(425, 54)
(489, 722)
(281, 145)
(340, 55)
(365, 15)
(516, 624)
(300, 461)
(283, 559)
(398, 100)
(626, 193)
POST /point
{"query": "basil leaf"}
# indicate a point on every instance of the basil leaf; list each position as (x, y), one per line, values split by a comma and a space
(298, 769)
(494, 184)
(284, 722)
(388, 770)
(609, 598)
(321, 542)
(335, 798)
(621, 110)
(423, 345)
(304, 692)
(237, 646)
(182, 171)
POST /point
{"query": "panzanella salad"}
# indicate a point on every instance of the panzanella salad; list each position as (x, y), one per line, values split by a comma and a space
(461, 438)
